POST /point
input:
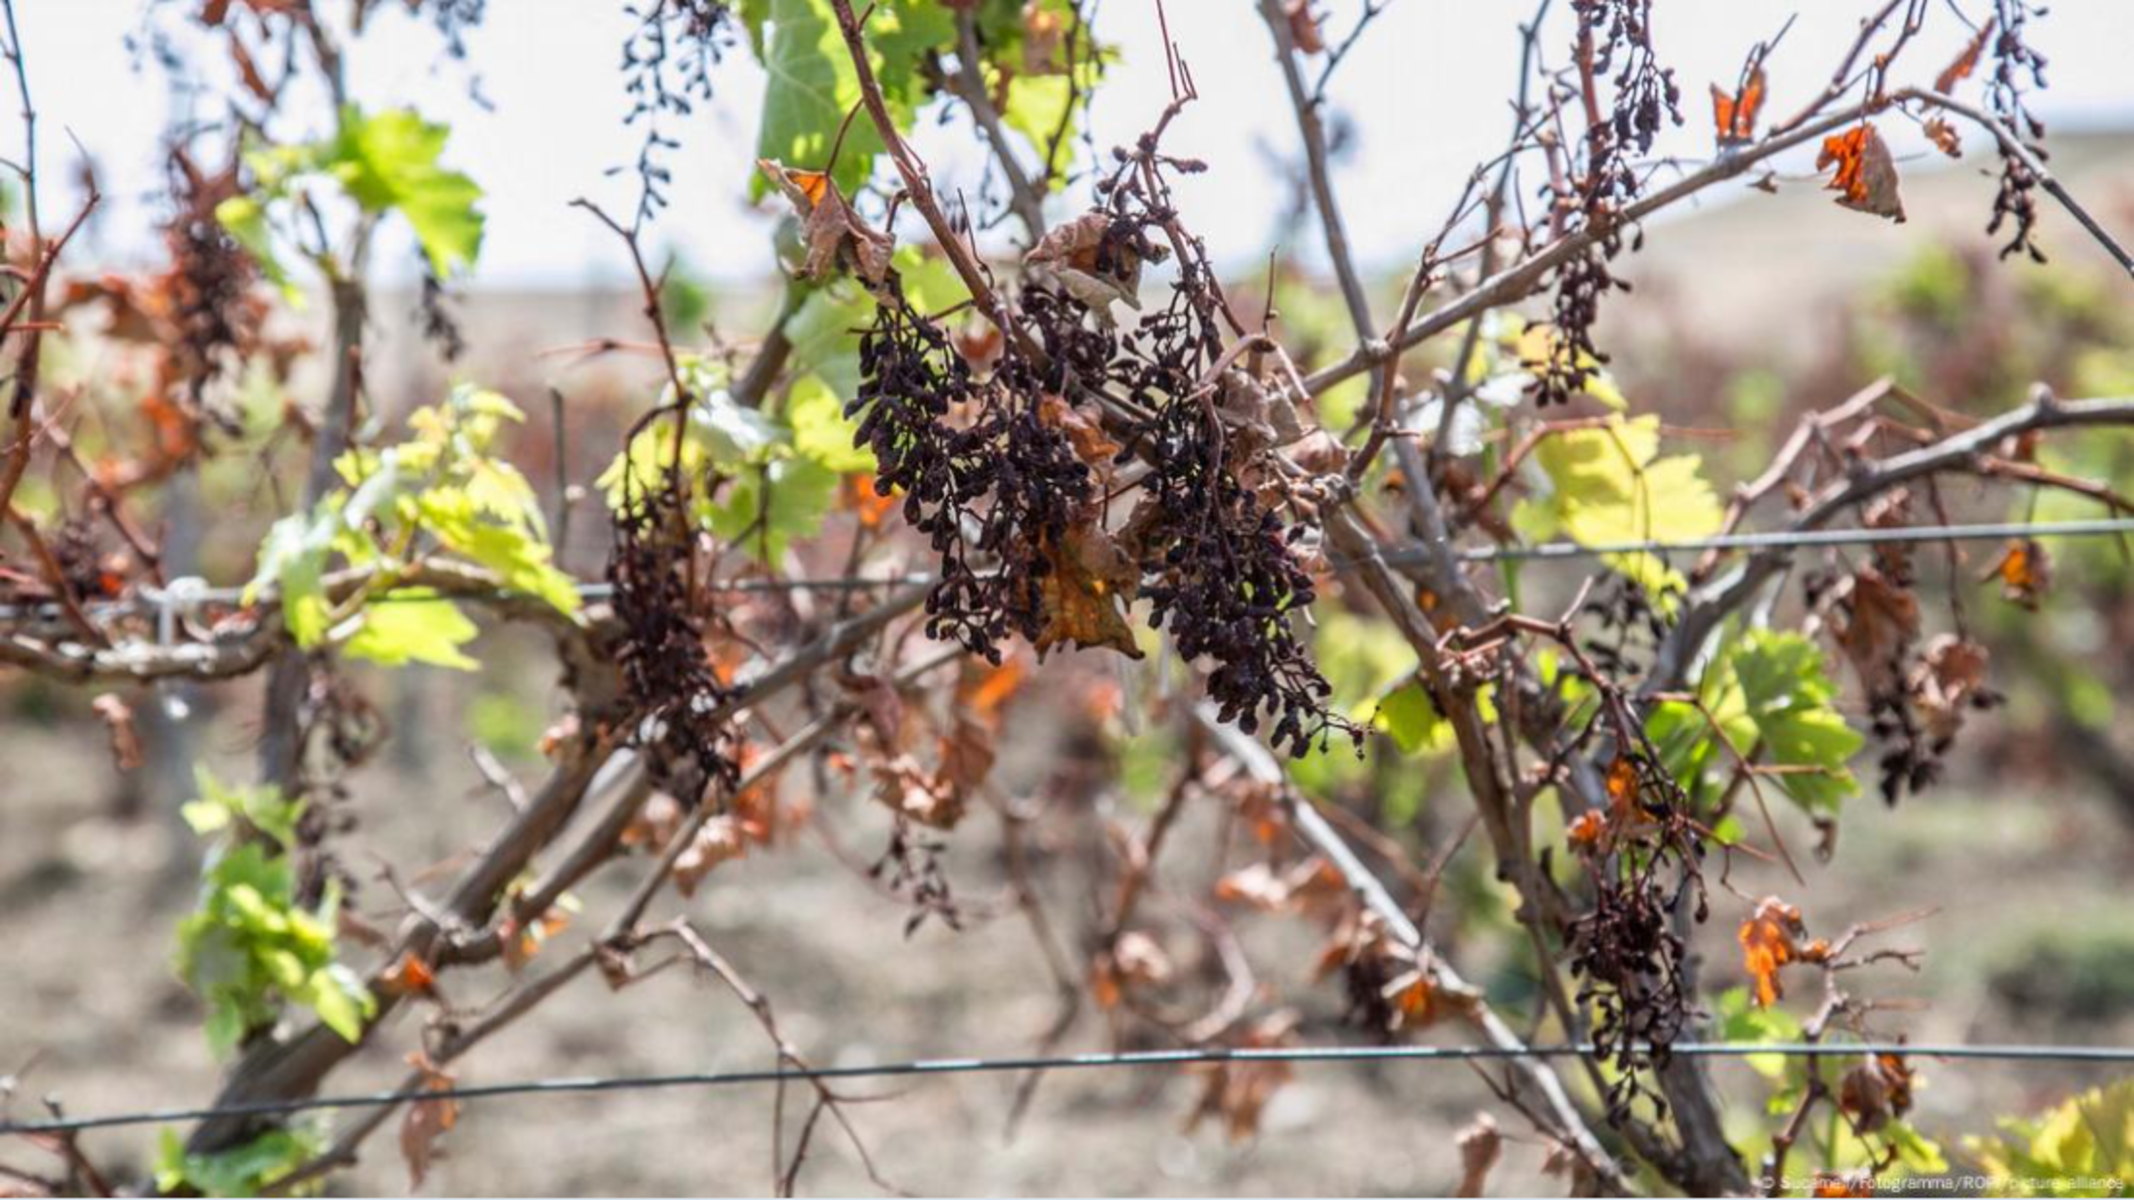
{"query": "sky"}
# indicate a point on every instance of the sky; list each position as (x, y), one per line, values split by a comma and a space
(537, 115)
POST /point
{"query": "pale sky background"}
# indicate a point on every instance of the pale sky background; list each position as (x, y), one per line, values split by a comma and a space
(1426, 95)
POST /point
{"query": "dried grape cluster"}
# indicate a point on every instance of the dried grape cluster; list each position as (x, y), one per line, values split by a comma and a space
(983, 477)
(1224, 576)
(1008, 495)
(2014, 62)
(1223, 572)
(1613, 36)
(675, 695)
(210, 287)
(666, 64)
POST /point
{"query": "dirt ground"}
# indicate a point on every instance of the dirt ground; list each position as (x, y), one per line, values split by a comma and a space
(90, 1012)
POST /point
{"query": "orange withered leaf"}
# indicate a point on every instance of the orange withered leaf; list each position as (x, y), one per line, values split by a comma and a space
(1865, 176)
(1084, 595)
(1104, 982)
(1091, 444)
(1734, 113)
(2024, 572)
(1623, 789)
(1966, 62)
(410, 974)
(1413, 997)
(1768, 943)
(984, 688)
(1588, 830)
(1944, 137)
(869, 503)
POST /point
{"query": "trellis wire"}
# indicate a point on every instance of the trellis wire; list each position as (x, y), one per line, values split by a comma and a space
(1065, 1062)
(164, 600)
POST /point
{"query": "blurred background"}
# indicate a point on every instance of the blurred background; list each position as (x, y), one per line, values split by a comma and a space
(1747, 311)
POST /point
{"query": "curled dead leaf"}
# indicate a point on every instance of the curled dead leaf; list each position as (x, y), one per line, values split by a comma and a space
(1304, 27)
(117, 716)
(832, 233)
(1944, 137)
(1876, 1092)
(427, 1120)
(1876, 620)
(1865, 174)
(719, 839)
(410, 975)
(1769, 942)
(1091, 444)
(1237, 1092)
(1481, 1144)
(1949, 680)
(2024, 572)
(1140, 959)
(907, 788)
(1090, 262)
(1084, 595)
(1966, 62)
(1734, 113)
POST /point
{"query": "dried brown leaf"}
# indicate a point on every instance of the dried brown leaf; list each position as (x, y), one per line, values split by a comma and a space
(1865, 176)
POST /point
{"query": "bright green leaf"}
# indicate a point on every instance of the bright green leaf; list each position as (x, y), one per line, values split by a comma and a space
(388, 161)
(413, 625)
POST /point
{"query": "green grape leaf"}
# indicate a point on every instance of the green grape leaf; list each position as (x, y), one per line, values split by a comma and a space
(248, 947)
(1741, 1020)
(339, 998)
(245, 219)
(261, 808)
(413, 625)
(1790, 701)
(766, 508)
(245, 1170)
(513, 551)
(825, 332)
(1610, 485)
(389, 161)
(811, 83)
(821, 431)
(1410, 718)
(293, 559)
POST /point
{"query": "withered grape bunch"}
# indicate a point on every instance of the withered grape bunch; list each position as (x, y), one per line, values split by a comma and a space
(652, 568)
(991, 486)
(1006, 495)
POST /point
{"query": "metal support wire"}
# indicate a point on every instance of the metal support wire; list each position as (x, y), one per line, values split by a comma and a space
(1145, 1058)
(1790, 539)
